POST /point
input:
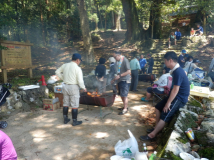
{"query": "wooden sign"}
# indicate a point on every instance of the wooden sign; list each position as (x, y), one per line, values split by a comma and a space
(18, 55)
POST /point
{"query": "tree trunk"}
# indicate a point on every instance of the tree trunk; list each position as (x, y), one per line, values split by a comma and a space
(204, 24)
(155, 19)
(42, 22)
(100, 17)
(118, 25)
(85, 32)
(134, 30)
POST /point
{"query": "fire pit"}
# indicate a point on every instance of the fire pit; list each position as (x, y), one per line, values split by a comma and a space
(92, 98)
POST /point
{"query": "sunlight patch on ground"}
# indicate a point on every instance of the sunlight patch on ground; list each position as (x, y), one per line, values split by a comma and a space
(101, 135)
(138, 108)
(39, 135)
(108, 121)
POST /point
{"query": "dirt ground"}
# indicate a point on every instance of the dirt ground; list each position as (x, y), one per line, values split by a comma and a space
(40, 135)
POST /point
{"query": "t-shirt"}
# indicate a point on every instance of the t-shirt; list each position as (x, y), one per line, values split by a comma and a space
(142, 62)
(134, 64)
(125, 66)
(180, 79)
(201, 29)
(151, 62)
(172, 37)
(100, 71)
(181, 58)
(7, 150)
(178, 33)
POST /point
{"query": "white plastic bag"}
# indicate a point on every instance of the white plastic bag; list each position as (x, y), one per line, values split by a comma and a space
(52, 79)
(128, 148)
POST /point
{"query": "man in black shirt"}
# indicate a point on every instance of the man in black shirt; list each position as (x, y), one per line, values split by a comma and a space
(100, 73)
(150, 63)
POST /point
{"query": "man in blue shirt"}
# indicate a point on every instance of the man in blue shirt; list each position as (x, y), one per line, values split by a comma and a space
(178, 34)
(135, 66)
(142, 64)
(181, 59)
(177, 98)
(200, 29)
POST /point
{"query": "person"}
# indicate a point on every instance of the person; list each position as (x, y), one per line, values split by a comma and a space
(178, 34)
(122, 79)
(172, 39)
(192, 66)
(188, 62)
(72, 76)
(113, 73)
(100, 73)
(7, 150)
(192, 32)
(178, 96)
(142, 64)
(157, 87)
(150, 63)
(200, 30)
(181, 59)
(135, 66)
(211, 70)
(165, 69)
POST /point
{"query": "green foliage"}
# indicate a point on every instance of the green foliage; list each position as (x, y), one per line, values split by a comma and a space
(207, 152)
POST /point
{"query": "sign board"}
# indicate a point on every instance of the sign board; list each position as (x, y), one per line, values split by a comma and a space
(18, 55)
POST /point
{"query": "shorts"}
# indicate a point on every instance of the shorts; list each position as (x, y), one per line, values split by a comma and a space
(123, 88)
(175, 106)
(71, 95)
(151, 90)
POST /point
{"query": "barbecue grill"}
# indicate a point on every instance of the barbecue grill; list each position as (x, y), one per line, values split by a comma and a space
(104, 100)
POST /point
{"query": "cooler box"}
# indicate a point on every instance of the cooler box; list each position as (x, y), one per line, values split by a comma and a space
(51, 107)
(58, 89)
(50, 101)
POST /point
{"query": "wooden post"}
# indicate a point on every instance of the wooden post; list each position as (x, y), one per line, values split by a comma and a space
(4, 75)
(30, 73)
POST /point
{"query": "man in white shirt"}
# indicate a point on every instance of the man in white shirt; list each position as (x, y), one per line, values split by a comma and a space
(72, 76)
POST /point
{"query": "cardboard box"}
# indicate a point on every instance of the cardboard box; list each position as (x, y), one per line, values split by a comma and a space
(60, 96)
(58, 89)
(51, 107)
(51, 101)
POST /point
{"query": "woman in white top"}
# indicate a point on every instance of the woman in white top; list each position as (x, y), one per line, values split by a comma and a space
(161, 82)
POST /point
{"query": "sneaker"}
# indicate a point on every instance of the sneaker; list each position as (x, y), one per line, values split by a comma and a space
(66, 120)
(123, 112)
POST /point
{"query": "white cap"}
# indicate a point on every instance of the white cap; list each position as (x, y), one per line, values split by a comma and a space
(112, 59)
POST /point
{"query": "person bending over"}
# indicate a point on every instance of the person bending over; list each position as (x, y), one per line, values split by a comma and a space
(178, 96)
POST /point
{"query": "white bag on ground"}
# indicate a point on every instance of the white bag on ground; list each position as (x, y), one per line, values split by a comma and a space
(128, 148)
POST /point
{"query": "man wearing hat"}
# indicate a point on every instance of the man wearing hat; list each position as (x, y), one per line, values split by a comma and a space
(72, 76)
(122, 79)
(150, 63)
(135, 66)
(181, 59)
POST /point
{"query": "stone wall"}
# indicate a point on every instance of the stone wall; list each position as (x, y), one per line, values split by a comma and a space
(173, 140)
(23, 100)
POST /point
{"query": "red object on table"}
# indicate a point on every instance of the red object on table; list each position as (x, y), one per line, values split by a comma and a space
(43, 80)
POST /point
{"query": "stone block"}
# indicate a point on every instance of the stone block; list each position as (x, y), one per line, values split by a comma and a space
(208, 124)
(175, 146)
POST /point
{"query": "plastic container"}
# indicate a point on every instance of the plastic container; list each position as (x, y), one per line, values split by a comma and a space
(192, 86)
(58, 89)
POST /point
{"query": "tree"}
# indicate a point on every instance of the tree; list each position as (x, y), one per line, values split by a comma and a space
(85, 32)
(134, 30)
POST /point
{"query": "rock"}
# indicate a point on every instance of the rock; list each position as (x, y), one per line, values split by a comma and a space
(8, 112)
(25, 107)
(210, 137)
(208, 124)
(4, 108)
(10, 107)
(18, 105)
(176, 146)
(195, 147)
(193, 153)
(200, 136)
(209, 113)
